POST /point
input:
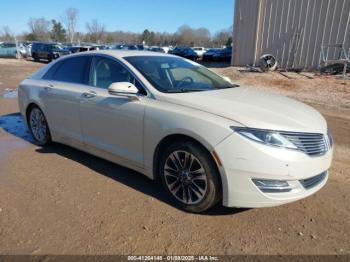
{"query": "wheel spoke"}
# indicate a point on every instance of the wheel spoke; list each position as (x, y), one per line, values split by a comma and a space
(175, 187)
(185, 177)
(175, 161)
(200, 177)
(188, 160)
(189, 199)
(167, 173)
(196, 192)
(179, 160)
(197, 172)
(171, 170)
(184, 196)
(197, 187)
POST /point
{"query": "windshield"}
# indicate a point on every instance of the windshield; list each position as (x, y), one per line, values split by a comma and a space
(58, 47)
(176, 75)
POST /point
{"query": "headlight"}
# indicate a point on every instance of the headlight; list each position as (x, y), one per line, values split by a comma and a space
(266, 137)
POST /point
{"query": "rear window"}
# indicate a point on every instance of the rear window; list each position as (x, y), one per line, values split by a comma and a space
(71, 70)
(49, 74)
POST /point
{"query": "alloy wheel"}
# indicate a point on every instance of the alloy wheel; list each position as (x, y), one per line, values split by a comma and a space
(38, 125)
(185, 177)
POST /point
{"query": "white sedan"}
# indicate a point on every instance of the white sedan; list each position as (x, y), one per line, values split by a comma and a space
(171, 119)
(199, 51)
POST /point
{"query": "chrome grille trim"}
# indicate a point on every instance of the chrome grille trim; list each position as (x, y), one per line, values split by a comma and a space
(309, 143)
(313, 181)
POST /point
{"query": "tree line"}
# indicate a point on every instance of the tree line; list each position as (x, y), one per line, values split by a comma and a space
(65, 30)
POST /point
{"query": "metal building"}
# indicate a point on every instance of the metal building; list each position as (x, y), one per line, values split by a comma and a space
(294, 31)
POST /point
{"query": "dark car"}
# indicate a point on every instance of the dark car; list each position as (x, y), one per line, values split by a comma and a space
(75, 49)
(142, 47)
(126, 47)
(185, 52)
(208, 56)
(156, 49)
(189, 53)
(223, 55)
(177, 51)
(48, 51)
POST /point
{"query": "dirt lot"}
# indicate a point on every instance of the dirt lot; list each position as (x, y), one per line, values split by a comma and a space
(58, 200)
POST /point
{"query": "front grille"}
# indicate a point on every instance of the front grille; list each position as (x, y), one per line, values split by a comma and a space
(309, 143)
(313, 181)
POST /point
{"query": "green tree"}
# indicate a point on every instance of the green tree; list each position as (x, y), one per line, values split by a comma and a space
(58, 33)
(30, 37)
(146, 36)
(229, 41)
(109, 39)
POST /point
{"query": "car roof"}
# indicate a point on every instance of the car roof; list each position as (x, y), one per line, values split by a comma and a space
(124, 53)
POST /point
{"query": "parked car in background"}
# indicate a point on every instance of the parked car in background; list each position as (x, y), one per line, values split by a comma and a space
(156, 49)
(126, 47)
(199, 51)
(166, 49)
(208, 55)
(185, 52)
(142, 47)
(48, 51)
(177, 51)
(206, 139)
(87, 48)
(29, 49)
(97, 47)
(75, 49)
(189, 53)
(8, 50)
(23, 52)
(224, 55)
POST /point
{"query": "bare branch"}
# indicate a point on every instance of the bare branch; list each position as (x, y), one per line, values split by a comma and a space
(70, 21)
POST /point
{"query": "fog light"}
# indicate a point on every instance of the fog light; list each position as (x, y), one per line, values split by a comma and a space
(272, 186)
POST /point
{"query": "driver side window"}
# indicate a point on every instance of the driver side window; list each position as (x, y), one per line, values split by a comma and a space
(105, 71)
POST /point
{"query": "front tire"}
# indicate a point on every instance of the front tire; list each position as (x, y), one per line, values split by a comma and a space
(35, 57)
(38, 126)
(190, 177)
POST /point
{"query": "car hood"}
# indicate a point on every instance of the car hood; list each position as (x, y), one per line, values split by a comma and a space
(254, 108)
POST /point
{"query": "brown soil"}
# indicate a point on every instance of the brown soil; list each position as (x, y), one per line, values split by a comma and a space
(58, 200)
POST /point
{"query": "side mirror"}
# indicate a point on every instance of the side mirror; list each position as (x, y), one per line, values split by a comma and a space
(227, 79)
(123, 89)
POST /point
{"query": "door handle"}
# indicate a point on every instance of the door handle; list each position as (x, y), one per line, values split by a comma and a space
(89, 94)
(48, 87)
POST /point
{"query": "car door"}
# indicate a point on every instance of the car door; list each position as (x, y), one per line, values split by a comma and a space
(42, 51)
(112, 125)
(65, 84)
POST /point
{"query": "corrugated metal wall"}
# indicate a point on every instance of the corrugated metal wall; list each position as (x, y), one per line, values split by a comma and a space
(244, 30)
(272, 26)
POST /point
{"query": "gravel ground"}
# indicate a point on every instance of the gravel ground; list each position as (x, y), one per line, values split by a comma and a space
(58, 200)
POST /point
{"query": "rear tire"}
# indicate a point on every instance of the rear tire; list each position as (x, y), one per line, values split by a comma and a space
(35, 57)
(38, 126)
(190, 177)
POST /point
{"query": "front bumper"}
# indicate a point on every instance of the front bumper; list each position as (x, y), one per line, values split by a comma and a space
(244, 160)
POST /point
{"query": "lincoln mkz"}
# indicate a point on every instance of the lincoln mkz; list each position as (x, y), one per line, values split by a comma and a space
(205, 138)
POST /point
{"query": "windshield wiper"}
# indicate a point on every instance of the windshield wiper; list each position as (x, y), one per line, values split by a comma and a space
(227, 87)
(185, 90)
